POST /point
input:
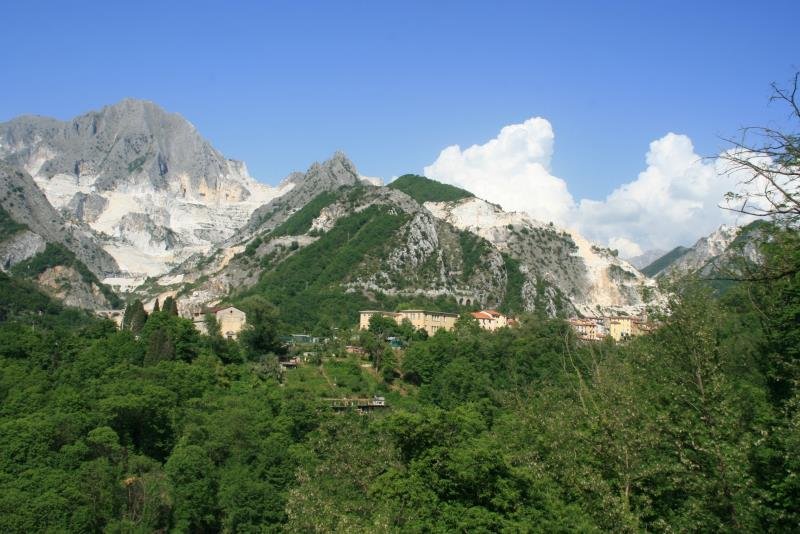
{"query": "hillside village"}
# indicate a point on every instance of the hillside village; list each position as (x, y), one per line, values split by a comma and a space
(232, 321)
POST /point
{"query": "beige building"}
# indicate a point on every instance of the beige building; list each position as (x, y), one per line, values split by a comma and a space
(491, 319)
(420, 319)
(620, 328)
(366, 315)
(231, 320)
(592, 329)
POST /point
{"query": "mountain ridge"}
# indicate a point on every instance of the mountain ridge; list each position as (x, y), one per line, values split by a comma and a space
(133, 157)
(712, 255)
(179, 217)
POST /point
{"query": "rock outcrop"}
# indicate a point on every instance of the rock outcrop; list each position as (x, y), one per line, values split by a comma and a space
(133, 162)
(26, 204)
(20, 247)
(467, 249)
(713, 254)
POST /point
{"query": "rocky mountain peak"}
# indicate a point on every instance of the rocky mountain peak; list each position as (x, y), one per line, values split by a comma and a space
(334, 172)
(329, 175)
(131, 169)
(698, 257)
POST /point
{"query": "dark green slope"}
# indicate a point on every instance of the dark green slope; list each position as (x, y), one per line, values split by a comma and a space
(664, 261)
(300, 221)
(309, 285)
(424, 189)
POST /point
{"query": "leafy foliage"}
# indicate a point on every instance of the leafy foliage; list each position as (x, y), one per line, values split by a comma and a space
(473, 249)
(512, 303)
(424, 189)
(692, 428)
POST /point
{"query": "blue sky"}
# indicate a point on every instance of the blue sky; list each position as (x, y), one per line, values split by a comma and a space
(282, 84)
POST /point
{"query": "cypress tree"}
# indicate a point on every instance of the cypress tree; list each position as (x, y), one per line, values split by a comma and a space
(159, 347)
(138, 316)
(126, 318)
(170, 306)
(156, 307)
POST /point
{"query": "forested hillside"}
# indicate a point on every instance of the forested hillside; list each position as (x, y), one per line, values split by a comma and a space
(156, 427)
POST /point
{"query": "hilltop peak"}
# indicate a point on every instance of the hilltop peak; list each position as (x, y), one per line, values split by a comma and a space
(143, 177)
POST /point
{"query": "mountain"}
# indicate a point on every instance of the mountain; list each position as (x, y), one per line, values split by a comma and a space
(661, 265)
(712, 254)
(62, 257)
(334, 244)
(143, 180)
(302, 188)
(646, 258)
(593, 280)
(163, 212)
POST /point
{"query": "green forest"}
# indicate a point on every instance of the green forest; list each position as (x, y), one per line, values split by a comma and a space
(156, 428)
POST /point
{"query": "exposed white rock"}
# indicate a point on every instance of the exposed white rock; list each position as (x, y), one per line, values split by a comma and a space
(20, 247)
(482, 218)
(157, 192)
(706, 249)
(597, 281)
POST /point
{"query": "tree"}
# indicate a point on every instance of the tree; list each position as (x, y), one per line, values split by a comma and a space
(268, 366)
(374, 344)
(167, 336)
(170, 306)
(135, 317)
(159, 347)
(260, 335)
(226, 350)
(769, 160)
(191, 472)
(156, 307)
(212, 326)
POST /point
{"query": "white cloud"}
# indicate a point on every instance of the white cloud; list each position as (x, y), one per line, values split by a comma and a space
(512, 170)
(673, 201)
(626, 247)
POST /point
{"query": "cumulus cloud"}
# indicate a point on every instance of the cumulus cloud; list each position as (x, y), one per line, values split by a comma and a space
(512, 170)
(626, 247)
(673, 201)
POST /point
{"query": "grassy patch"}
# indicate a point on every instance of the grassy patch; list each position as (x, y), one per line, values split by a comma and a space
(424, 189)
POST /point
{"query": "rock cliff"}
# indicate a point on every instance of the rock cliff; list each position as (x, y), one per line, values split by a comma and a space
(130, 169)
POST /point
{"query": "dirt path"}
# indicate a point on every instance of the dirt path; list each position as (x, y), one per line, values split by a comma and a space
(326, 377)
